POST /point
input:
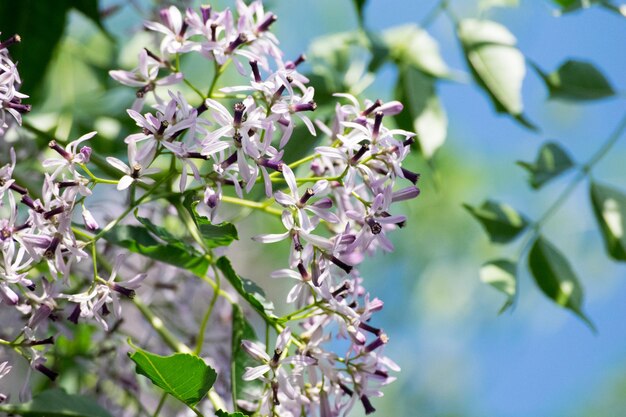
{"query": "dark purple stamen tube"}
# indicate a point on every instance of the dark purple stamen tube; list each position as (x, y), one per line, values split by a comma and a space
(11, 41)
(255, 71)
(46, 371)
(371, 108)
(411, 176)
(241, 39)
(265, 25)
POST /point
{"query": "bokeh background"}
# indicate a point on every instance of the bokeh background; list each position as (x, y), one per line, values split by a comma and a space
(458, 356)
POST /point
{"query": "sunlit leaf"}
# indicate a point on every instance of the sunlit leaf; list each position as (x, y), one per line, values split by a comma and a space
(496, 64)
(501, 274)
(487, 4)
(552, 161)
(242, 330)
(609, 207)
(410, 45)
(184, 376)
(57, 403)
(250, 291)
(137, 239)
(577, 81)
(423, 112)
(215, 235)
(501, 222)
(555, 277)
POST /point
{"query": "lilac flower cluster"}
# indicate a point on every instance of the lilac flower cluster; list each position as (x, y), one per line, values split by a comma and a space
(336, 205)
(10, 97)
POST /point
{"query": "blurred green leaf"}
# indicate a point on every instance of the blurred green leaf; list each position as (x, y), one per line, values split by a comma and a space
(184, 376)
(90, 8)
(57, 403)
(555, 277)
(577, 81)
(359, 5)
(138, 240)
(501, 275)
(411, 45)
(501, 222)
(423, 112)
(552, 161)
(496, 64)
(609, 207)
(41, 28)
(242, 330)
(246, 288)
(488, 4)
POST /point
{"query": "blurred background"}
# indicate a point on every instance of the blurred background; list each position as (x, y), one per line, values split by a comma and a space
(458, 356)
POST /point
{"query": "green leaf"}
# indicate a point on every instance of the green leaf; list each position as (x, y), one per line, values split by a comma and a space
(359, 5)
(242, 330)
(488, 4)
(501, 274)
(90, 9)
(423, 112)
(555, 277)
(41, 29)
(246, 288)
(57, 403)
(413, 46)
(182, 375)
(552, 161)
(609, 207)
(214, 235)
(222, 413)
(501, 222)
(496, 64)
(138, 240)
(577, 81)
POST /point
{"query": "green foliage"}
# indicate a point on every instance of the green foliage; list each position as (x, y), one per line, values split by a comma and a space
(138, 239)
(410, 45)
(487, 4)
(501, 274)
(184, 376)
(41, 27)
(555, 277)
(577, 81)
(242, 330)
(214, 235)
(552, 161)
(422, 112)
(57, 403)
(609, 207)
(250, 291)
(501, 222)
(496, 64)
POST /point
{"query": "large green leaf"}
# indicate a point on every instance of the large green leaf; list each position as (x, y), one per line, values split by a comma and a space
(552, 161)
(137, 239)
(410, 45)
(242, 330)
(423, 112)
(496, 64)
(501, 274)
(246, 288)
(41, 28)
(501, 222)
(577, 81)
(184, 376)
(555, 277)
(57, 403)
(609, 206)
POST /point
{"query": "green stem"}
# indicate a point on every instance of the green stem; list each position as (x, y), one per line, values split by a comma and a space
(251, 204)
(160, 406)
(157, 324)
(207, 315)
